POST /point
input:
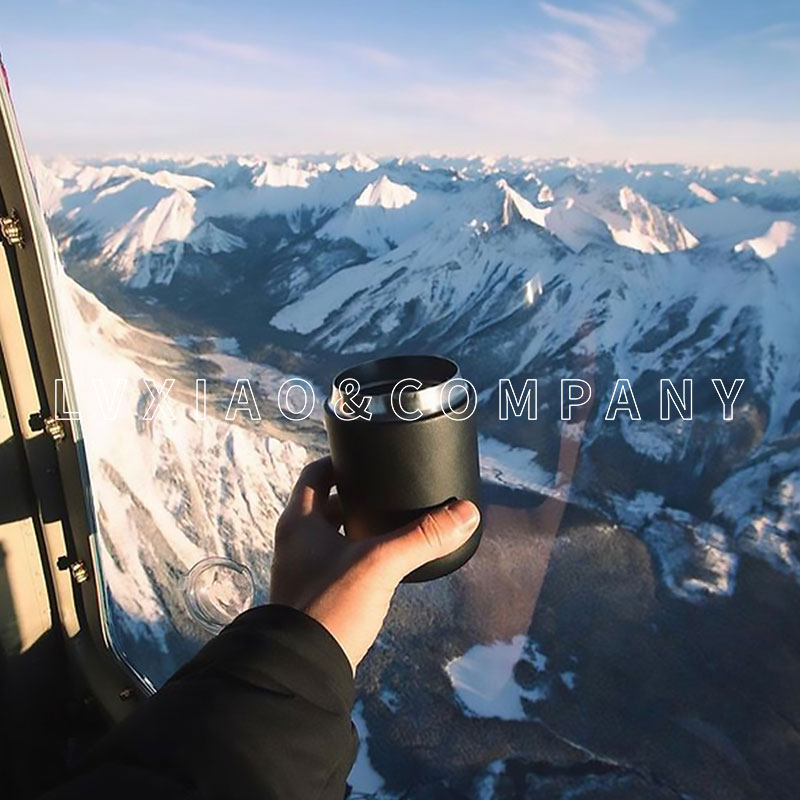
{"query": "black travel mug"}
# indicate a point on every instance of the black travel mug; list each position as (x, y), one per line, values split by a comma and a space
(418, 449)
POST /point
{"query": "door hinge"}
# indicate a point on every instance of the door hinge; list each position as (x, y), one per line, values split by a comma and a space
(11, 229)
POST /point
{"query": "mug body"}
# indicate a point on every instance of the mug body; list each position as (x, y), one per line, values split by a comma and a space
(392, 468)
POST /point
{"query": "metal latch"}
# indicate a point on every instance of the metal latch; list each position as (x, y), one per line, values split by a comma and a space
(78, 569)
(79, 572)
(53, 427)
(11, 229)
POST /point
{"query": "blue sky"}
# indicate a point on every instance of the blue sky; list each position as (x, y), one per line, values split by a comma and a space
(702, 81)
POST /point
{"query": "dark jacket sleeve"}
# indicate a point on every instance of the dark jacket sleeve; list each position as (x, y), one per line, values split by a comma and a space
(262, 711)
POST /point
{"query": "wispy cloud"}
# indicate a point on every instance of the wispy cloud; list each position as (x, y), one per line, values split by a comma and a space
(503, 83)
(583, 45)
(617, 35)
(228, 48)
(107, 9)
(571, 60)
(789, 44)
(375, 56)
(779, 36)
(660, 12)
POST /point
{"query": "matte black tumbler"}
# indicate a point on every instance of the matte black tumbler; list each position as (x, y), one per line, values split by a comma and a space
(390, 470)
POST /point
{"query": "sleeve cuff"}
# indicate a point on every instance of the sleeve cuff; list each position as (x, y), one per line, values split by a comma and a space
(276, 644)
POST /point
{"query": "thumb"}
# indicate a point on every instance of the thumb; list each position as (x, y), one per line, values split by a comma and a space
(435, 534)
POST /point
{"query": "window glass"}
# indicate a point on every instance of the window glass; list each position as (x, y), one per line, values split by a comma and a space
(676, 533)
(628, 626)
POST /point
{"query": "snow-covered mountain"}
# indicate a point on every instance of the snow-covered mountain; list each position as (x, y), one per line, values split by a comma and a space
(647, 270)
(180, 489)
(243, 266)
(138, 211)
(386, 194)
(666, 269)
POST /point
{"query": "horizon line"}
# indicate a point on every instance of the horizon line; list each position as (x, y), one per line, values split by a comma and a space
(470, 156)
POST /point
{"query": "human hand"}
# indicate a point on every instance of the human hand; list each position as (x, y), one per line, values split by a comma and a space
(345, 584)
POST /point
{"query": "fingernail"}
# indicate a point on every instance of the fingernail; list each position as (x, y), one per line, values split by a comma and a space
(465, 514)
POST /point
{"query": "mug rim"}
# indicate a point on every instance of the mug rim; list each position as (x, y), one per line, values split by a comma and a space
(383, 373)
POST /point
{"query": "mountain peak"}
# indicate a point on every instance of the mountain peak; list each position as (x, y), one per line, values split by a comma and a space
(357, 161)
(287, 173)
(776, 239)
(515, 205)
(386, 193)
(643, 226)
(207, 238)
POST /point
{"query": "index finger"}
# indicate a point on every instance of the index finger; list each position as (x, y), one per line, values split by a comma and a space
(310, 493)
